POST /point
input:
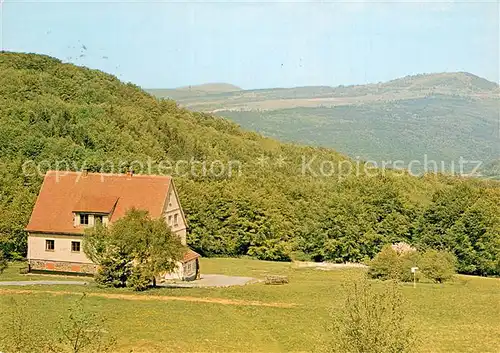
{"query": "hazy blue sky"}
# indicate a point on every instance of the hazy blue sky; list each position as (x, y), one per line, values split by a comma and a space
(259, 44)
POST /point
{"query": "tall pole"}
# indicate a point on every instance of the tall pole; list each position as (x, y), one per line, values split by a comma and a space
(414, 271)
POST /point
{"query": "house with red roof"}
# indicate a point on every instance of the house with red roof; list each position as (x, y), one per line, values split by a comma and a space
(69, 202)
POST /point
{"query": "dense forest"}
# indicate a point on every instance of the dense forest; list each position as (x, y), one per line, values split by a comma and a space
(269, 206)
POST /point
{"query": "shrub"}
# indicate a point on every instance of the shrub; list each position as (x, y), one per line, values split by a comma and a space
(300, 256)
(140, 278)
(372, 320)
(113, 271)
(438, 266)
(82, 331)
(385, 264)
(391, 264)
(24, 270)
(3, 262)
(407, 261)
(132, 248)
(19, 332)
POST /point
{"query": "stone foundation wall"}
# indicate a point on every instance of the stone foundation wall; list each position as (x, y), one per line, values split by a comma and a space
(62, 266)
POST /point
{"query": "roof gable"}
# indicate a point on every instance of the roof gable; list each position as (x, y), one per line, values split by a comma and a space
(173, 192)
(63, 193)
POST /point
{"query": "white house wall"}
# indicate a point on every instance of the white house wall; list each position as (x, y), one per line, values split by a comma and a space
(62, 250)
(174, 215)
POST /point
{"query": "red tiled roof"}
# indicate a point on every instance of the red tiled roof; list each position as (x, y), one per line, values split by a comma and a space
(62, 193)
(190, 255)
(95, 204)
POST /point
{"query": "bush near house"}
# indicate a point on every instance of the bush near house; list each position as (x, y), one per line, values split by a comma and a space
(114, 270)
(132, 251)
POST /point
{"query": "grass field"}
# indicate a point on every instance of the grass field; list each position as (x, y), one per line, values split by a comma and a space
(462, 316)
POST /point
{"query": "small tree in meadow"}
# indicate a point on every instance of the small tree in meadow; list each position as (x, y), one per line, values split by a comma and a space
(373, 319)
(438, 266)
(19, 332)
(82, 331)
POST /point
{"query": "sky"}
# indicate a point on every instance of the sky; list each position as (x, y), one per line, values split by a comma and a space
(259, 44)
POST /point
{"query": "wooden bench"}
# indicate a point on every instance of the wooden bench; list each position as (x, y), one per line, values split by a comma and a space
(275, 279)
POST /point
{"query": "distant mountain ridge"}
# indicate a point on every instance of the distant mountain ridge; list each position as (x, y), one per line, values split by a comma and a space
(211, 87)
(194, 90)
(443, 116)
(215, 97)
(460, 80)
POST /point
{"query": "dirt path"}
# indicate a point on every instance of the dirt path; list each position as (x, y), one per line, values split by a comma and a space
(165, 298)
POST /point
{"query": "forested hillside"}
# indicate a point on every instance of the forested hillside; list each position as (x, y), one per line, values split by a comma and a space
(269, 206)
(439, 128)
(441, 117)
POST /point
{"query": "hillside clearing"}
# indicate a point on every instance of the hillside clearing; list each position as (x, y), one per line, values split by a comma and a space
(461, 316)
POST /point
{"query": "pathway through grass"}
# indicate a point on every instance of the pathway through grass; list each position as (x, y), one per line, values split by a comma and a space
(151, 297)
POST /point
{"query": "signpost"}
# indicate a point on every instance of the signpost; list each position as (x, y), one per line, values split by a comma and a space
(414, 271)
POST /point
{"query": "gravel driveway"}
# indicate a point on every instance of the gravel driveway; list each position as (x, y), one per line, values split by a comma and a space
(210, 281)
(205, 281)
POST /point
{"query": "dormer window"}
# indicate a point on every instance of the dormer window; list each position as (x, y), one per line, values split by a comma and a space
(88, 219)
(84, 218)
(92, 209)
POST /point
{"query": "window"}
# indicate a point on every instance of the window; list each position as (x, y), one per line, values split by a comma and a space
(50, 245)
(169, 220)
(97, 219)
(75, 246)
(175, 219)
(84, 218)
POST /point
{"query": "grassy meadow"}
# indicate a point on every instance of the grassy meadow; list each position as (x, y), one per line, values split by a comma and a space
(462, 316)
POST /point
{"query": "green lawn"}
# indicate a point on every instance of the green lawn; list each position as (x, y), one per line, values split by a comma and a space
(461, 316)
